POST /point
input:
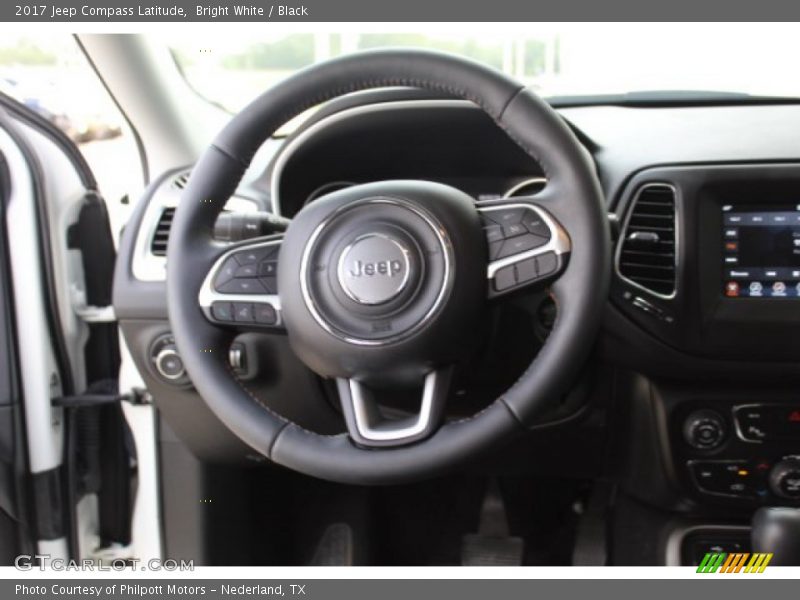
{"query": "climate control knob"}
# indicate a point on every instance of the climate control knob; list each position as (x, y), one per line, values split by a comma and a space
(784, 479)
(704, 430)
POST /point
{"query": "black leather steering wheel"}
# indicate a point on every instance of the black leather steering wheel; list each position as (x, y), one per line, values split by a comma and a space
(379, 284)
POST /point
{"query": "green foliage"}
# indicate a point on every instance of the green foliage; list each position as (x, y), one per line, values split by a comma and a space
(26, 53)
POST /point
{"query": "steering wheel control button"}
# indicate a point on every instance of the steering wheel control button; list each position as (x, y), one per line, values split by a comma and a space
(535, 224)
(547, 264)
(527, 270)
(494, 233)
(514, 230)
(505, 278)
(227, 272)
(222, 311)
(253, 256)
(243, 286)
(520, 244)
(265, 314)
(243, 312)
(506, 216)
(268, 268)
(374, 269)
(246, 271)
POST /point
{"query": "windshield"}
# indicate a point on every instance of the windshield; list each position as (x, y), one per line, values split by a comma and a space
(553, 59)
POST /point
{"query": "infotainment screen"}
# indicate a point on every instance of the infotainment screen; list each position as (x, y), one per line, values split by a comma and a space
(761, 250)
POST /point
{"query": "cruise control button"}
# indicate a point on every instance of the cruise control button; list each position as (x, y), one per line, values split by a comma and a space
(505, 278)
(222, 311)
(242, 312)
(526, 270)
(226, 273)
(506, 216)
(265, 314)
(521, 243)
(494, 233)
(243, 286)
(514, 230)
(547, 264)
(535, 224)
(246, 271)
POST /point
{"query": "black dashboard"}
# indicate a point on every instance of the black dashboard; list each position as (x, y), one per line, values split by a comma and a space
(700, 348)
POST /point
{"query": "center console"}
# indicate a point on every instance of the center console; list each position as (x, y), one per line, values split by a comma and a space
(708, 269)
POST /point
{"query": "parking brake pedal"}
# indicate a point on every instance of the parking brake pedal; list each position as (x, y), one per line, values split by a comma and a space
(492, 546)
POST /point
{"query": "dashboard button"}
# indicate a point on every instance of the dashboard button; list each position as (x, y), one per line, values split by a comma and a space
(731, 478)
(785, 479)
(752, 422)
(704, 430)
(242, 286)
(222, 311)
(520, 244)
(169, 364)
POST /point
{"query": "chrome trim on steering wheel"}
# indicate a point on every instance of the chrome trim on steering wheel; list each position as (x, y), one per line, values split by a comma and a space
(559, 240)
(372, 429)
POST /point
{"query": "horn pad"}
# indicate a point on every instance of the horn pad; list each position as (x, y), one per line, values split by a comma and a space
(383, 280)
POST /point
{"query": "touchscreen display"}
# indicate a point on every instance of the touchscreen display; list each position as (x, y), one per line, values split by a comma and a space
(761, 251)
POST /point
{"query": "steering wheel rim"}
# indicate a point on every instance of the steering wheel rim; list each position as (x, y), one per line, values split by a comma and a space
(572, 195)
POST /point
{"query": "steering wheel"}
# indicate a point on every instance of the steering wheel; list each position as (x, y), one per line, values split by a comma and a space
(380, 285)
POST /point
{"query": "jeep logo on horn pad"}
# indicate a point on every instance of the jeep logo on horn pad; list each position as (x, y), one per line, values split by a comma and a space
(373, 269)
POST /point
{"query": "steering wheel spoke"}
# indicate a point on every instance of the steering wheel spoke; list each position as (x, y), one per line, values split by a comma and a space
(241, 288)
(368, 427)
(527, 245)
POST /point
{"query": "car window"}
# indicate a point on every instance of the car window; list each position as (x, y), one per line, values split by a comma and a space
(553, 59)
(51, 76)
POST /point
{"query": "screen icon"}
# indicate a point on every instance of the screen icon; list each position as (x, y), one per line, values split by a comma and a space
(732, 289)
(778, 288)
(756, 288)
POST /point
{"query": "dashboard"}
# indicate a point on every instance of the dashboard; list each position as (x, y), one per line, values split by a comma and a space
(700, 347)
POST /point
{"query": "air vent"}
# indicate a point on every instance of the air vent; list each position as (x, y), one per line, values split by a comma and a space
(647, 255)
(158, 245)
(181, 180)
